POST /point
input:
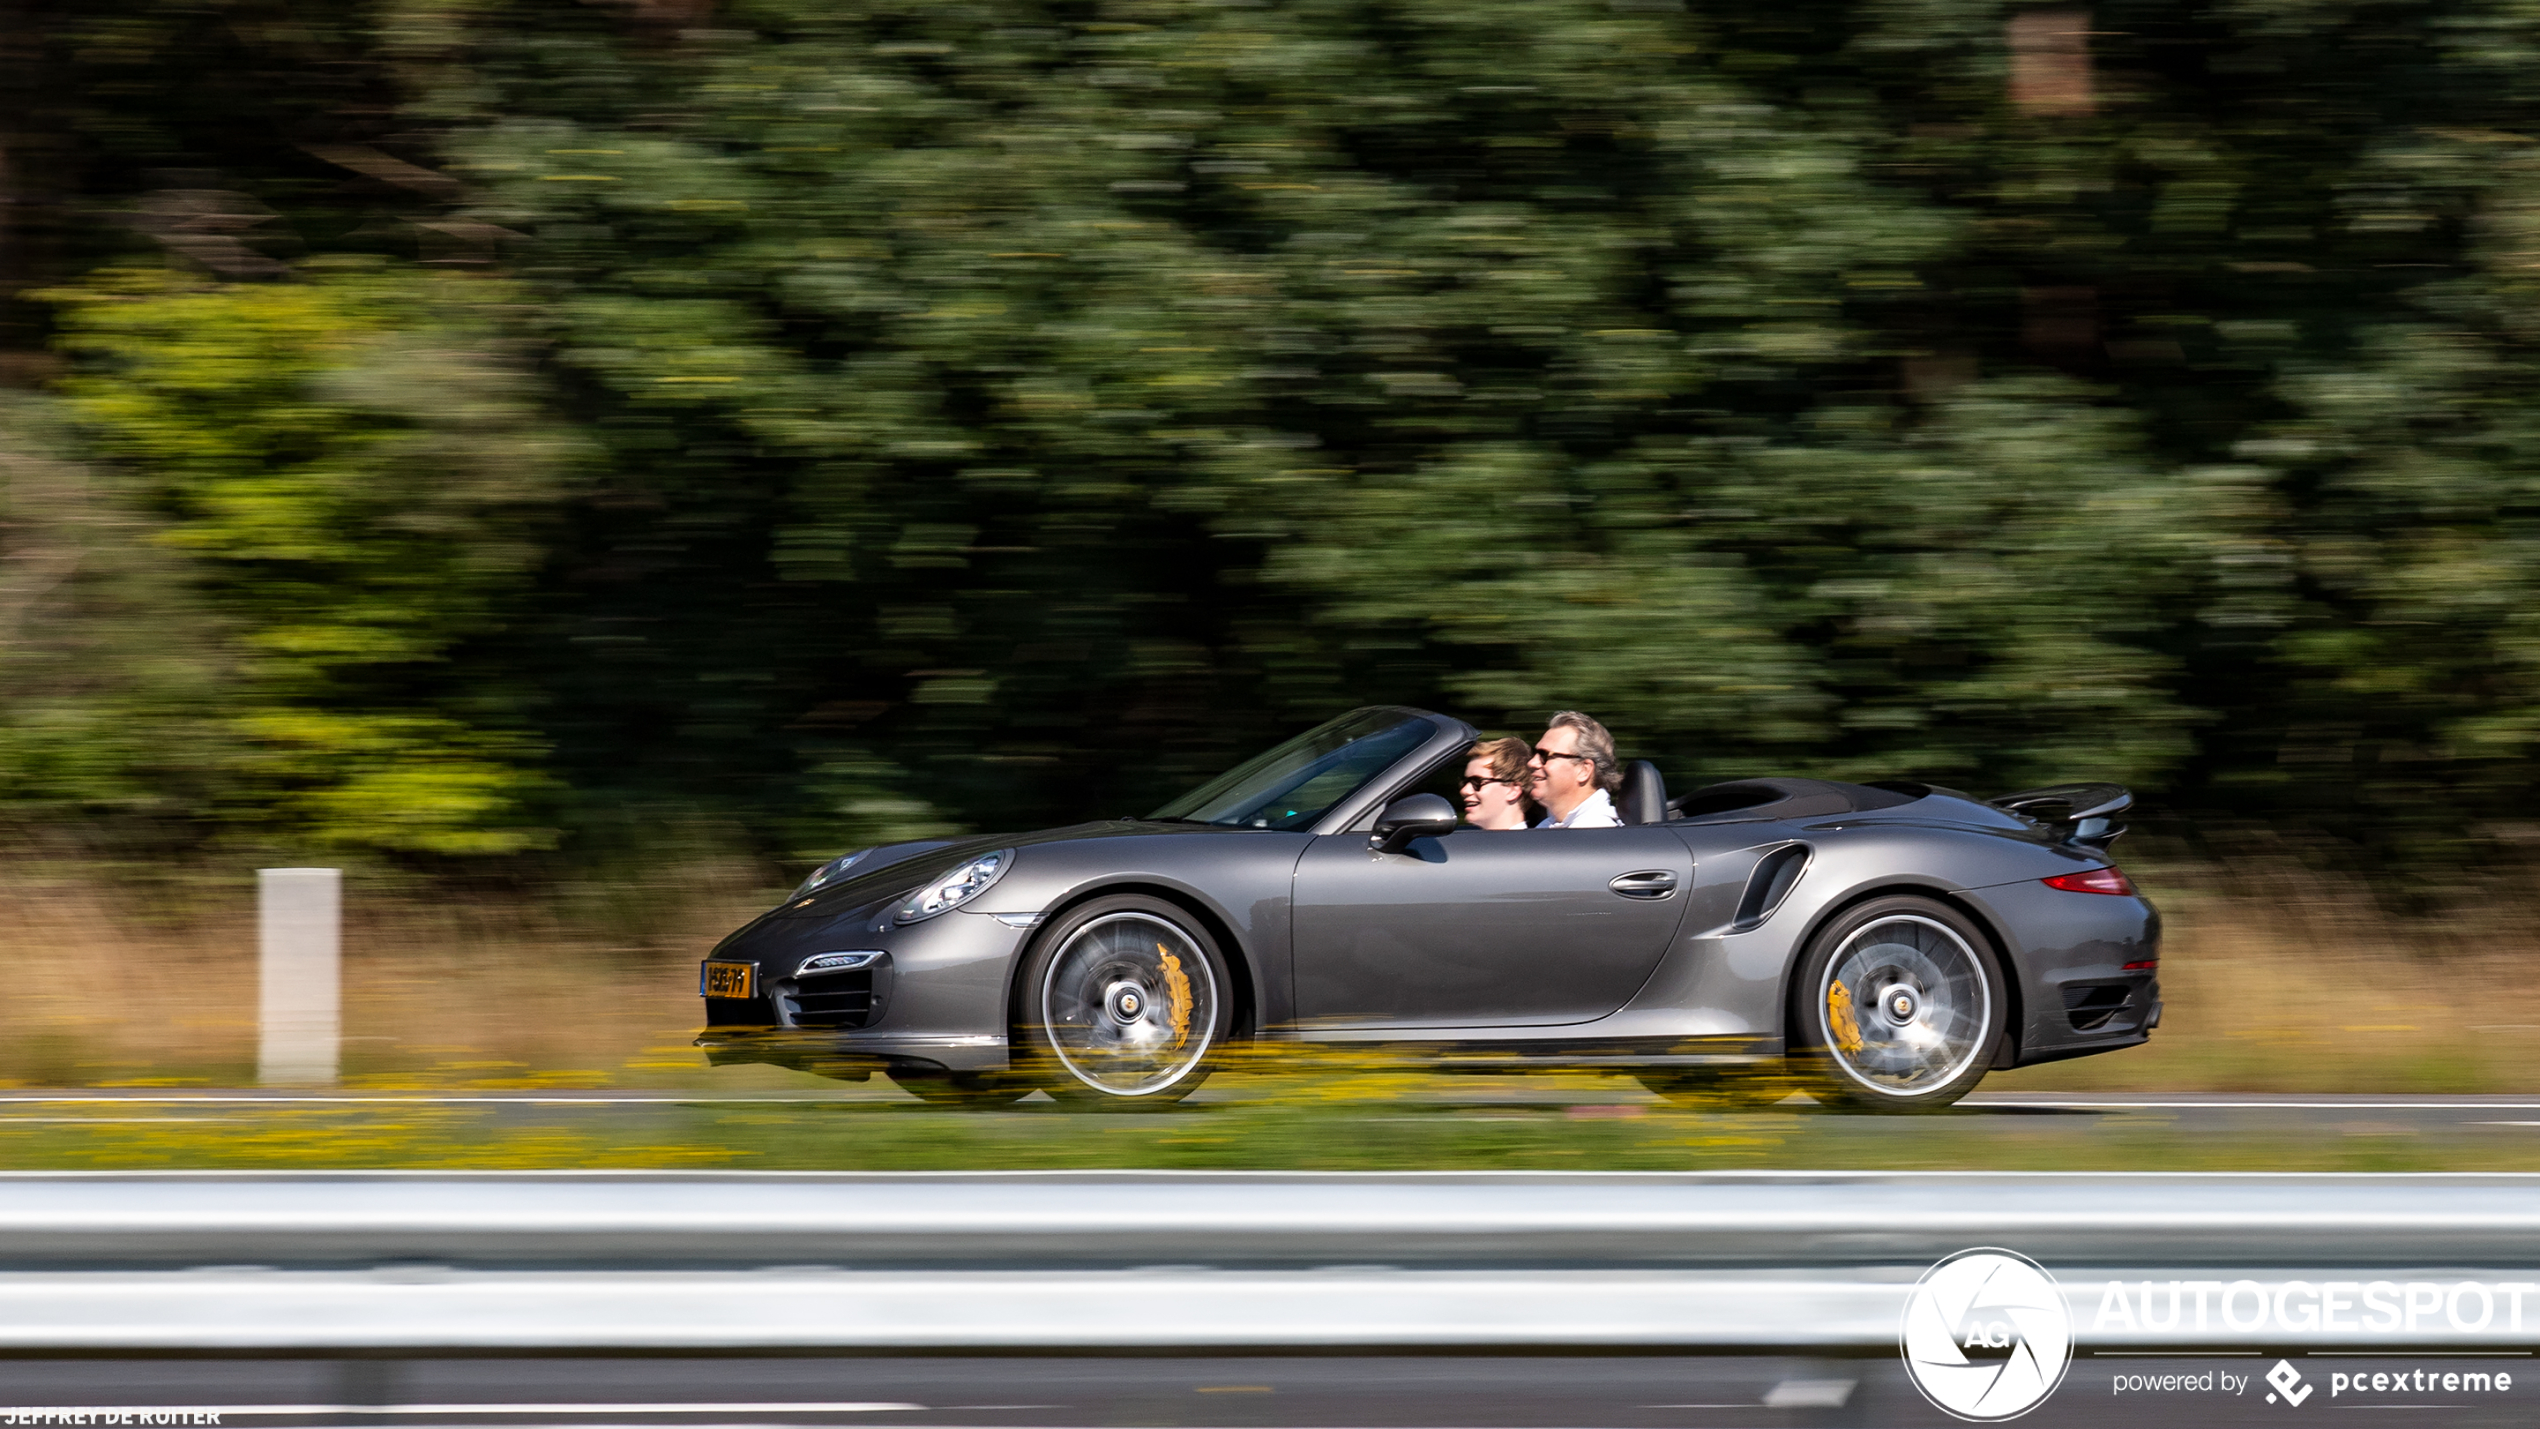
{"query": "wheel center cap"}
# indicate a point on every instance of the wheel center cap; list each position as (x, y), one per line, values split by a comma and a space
(1901, 1005)
(1128, 1004)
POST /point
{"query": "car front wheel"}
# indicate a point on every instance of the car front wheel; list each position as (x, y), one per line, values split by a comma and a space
(1121, 1003)
(1899, 1006)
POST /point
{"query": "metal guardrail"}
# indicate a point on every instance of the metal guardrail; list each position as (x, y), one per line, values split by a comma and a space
(739, 1262)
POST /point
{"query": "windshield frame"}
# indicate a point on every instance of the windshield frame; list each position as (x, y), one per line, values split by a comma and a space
(1359, 804)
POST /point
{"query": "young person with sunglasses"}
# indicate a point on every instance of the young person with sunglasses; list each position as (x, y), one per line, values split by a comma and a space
(1573, 773)
(1495, 784)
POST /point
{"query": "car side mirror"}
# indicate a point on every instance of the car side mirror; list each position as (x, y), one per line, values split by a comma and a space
(1414, 816)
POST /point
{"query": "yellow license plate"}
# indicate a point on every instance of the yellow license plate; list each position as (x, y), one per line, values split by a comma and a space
(729, 980)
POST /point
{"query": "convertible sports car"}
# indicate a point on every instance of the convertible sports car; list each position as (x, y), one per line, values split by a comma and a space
(1889, 943)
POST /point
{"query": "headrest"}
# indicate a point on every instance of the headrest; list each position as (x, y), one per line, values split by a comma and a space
(1643, 798)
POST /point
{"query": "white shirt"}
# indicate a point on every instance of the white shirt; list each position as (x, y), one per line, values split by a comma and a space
(1596, 811)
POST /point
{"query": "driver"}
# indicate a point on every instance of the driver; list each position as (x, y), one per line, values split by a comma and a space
(1573, 773)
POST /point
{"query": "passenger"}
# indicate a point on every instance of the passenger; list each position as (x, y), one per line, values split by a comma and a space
(1573, 774)
(1495, 784)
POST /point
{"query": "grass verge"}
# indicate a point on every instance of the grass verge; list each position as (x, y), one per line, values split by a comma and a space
(1408, 1122)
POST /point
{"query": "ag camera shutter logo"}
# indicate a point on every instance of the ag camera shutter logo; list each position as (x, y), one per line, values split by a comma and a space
(1987, 1335)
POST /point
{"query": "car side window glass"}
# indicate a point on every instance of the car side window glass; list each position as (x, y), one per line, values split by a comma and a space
(1291, 786)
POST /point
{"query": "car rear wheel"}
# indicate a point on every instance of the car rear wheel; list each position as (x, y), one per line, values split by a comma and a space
(1899, 1006)
(1121, 1004)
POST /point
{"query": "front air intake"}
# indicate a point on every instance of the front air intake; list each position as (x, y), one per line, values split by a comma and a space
(835, 999)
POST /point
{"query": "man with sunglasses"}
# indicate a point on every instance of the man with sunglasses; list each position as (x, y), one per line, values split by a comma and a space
(1573, 773)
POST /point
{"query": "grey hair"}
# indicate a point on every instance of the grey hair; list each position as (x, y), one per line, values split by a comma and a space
(1595, 743)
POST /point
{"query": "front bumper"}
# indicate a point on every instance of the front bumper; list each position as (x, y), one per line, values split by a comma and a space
(935, 998)
(850, 1056)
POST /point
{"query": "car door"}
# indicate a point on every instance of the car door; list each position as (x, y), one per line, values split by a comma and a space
(1520, 927)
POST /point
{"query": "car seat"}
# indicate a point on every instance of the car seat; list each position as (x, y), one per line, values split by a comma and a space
(1643, 798)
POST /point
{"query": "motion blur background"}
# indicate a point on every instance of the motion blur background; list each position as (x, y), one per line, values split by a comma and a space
(574, 464)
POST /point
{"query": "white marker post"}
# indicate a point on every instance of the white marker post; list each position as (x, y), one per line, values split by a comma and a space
(299, 914)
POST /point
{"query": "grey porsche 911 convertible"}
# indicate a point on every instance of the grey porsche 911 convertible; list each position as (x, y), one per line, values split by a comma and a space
(1887, 943)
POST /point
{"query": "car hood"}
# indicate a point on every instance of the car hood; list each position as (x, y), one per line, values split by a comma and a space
(900, 868)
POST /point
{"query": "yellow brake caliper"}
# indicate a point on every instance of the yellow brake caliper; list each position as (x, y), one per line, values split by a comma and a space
(1839, 1017)
(1179, 986)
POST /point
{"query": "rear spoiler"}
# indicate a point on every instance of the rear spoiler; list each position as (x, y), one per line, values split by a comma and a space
(2084, 814)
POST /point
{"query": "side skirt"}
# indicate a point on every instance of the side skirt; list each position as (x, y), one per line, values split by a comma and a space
(1447, 1052)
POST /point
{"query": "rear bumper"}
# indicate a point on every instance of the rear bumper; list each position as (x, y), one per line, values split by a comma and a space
(2070, 950)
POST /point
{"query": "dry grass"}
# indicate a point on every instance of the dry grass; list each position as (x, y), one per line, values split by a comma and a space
(2275, 981)
(592, 987)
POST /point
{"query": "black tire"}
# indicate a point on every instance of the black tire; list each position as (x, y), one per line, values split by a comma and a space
(1121, 1005)
(961, 1089)
(1721, 1088)
(1920, 1028)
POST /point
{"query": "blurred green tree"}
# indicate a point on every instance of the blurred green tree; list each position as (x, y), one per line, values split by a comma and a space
(868, 420)
(354, 465)
(107, 655)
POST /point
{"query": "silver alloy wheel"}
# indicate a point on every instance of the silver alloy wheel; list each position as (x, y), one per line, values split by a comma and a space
(1129, 1004)
(1905, 1005)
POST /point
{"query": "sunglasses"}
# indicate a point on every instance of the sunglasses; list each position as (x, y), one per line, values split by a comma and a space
(1548, 756)
(1475, 781)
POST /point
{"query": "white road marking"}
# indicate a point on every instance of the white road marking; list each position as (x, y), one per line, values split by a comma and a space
(1809, 1394)
(1789, 1394)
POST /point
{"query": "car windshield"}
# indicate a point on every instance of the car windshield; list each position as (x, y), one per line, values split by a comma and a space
(1291, 786)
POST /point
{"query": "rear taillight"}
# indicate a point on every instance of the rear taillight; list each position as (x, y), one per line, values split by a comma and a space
(2097, 880)
(2145, 966)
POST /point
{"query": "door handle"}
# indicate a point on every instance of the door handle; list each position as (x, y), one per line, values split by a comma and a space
(1648, 883)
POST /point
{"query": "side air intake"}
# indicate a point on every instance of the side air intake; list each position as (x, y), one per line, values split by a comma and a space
(1776, 873)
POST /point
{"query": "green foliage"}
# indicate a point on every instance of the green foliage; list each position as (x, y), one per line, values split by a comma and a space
(869, 420)
(1958, 598)
(348, 467)
(106, 656)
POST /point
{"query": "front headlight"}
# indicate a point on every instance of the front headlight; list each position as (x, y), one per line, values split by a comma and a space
(829, 872)
(954, 888)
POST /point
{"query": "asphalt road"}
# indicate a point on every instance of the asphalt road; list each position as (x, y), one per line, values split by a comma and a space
(1268, 1392)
